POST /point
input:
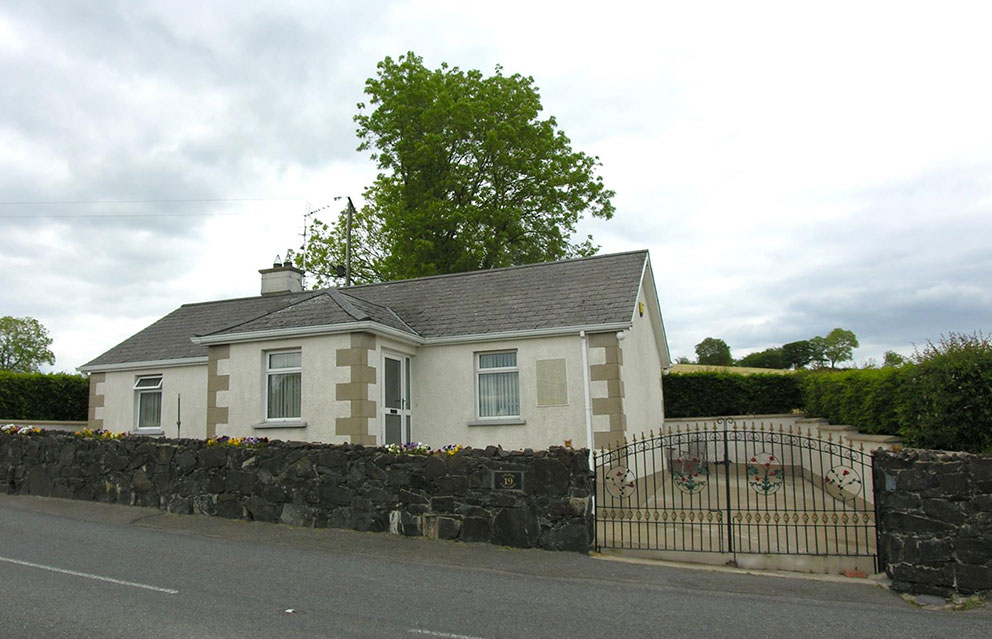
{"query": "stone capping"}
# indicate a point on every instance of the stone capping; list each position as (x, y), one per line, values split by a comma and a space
(95, 401)
(935, 521)
(361, 376)
(320, 485)
(68, 426)
(825, 427)
(879, 439)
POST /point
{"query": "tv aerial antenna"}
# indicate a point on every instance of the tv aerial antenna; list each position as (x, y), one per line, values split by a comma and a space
(308, 213)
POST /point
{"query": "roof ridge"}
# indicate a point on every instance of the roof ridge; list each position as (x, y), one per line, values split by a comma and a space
(500, 269)
(384, 307)
(346, 305)
(308, 294)
(265, 314)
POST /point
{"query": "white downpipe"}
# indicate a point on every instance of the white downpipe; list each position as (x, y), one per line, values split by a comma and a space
(589, 441)
(588, 393)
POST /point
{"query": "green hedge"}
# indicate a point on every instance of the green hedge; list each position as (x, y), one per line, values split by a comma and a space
(713, 394)
(44, 397)
(869, 399)
(941, 401)
(947, 401)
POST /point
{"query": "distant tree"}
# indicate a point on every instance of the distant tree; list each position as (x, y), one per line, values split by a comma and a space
(892, 359)
(839, 345)
(768, 358)
(683, 360)
(713, 352)
(797, 354)
(24, 345)
(817, 352)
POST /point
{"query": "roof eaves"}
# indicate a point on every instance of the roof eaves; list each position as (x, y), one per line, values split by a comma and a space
(527, 333)
(159, 363)
(306, 331)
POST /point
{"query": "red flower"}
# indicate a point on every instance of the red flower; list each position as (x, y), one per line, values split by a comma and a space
(753, 459)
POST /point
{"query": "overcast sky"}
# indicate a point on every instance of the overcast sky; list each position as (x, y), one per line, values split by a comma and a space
(792, 167)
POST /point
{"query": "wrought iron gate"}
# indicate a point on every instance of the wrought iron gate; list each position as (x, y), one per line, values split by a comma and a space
(729, 489)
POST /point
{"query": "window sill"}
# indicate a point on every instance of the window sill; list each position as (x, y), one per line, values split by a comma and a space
(149, 432)
(503, 421)
(268, 425)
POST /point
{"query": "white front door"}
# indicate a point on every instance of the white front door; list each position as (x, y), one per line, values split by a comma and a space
(396, 399)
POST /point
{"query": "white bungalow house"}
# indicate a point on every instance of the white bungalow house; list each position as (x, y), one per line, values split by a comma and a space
(524, 357)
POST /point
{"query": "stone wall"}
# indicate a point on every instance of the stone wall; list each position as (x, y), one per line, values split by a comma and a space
(935, 521)
(521, 499)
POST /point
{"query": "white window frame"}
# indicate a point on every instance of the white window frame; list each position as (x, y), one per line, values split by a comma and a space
(479, 372)
(269, 371)
(139, 392)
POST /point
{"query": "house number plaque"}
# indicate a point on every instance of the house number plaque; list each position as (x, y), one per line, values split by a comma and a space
(508, 480)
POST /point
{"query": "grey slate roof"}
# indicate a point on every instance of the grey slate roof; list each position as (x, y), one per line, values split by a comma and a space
(585, 292)
(169, 337)
(595, 290)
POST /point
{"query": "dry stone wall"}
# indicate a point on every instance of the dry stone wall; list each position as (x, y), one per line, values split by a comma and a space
(935, 521)
(521, 499)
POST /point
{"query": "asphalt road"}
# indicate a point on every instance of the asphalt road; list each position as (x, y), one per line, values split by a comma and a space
(79, 569)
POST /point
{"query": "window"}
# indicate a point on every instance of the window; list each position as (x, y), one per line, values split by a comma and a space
(498, 384)
(148, 399)
(282, 376)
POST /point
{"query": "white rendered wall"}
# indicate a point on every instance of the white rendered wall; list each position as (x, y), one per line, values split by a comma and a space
(641, 369)
(319, 374)
(119, 403)
(444, 396)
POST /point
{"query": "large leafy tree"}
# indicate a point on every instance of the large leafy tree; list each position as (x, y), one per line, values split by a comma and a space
(713, 351)
(470, 177)
(839, 345)
(24, 345)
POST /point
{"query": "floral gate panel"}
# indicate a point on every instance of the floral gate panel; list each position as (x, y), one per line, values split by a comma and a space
(733, 489)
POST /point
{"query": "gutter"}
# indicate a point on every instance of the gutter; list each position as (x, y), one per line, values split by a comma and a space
(331, 329)
(156, 363)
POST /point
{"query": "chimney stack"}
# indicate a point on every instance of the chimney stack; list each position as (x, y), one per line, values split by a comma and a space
(283, 277)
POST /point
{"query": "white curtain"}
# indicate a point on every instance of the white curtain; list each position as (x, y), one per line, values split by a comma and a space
(150, 410)
(499, 394)
(284, 395)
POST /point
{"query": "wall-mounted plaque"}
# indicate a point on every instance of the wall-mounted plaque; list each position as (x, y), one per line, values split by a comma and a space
(508, 480)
